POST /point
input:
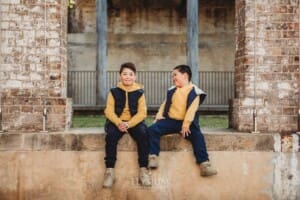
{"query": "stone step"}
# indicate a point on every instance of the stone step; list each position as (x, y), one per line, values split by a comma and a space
(94, 140)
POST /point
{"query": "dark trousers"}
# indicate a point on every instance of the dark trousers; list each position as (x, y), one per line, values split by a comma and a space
(170, 126)
(138, 133)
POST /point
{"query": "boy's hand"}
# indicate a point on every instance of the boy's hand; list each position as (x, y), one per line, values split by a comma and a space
(123, 126)
(185, 131)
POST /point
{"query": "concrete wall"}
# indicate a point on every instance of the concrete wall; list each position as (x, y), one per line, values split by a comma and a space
(152, 34)
(70, 165)
(33, 64)
(267, 72)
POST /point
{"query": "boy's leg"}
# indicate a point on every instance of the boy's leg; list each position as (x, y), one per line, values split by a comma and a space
(160, 128)
(200, 152)
(198, 142)
(111, 141)
(140, 135)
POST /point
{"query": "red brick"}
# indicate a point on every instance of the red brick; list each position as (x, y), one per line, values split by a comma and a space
(277, 56)
(28, 65)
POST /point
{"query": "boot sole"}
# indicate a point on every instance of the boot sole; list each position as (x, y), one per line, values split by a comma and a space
(153, 167)
(105, 186)
(211, 174)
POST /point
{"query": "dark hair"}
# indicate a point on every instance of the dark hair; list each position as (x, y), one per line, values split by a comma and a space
(184, 69)
(128, 65)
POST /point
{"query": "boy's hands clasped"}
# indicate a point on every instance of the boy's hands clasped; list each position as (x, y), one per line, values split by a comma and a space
(123, 127)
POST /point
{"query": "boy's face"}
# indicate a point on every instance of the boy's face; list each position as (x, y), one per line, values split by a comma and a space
(179, 79)
(127, 77)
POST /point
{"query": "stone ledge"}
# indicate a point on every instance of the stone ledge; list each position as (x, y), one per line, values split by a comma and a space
(76, 141)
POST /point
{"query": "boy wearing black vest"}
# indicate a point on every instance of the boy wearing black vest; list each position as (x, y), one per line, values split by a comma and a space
(179, 114)
(125, 112)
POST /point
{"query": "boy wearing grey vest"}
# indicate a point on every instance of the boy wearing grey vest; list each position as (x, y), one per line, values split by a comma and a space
(179, 114)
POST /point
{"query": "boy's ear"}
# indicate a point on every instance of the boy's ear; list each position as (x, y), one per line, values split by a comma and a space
(186, 76)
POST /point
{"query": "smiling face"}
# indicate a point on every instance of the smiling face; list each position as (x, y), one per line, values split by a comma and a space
(127, 77)
(179, 79)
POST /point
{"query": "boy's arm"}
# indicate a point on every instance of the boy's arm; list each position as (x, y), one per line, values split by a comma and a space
(160, 113)
(190, 113)
(110, 110)
(141, 112)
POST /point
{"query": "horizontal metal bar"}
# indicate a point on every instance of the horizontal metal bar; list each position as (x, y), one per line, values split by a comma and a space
(219, 85)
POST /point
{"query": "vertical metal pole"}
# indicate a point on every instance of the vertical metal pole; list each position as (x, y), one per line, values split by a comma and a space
(45, 113)
(255, 130)
(1, 129)
(101, 68)
(298, 131)
(192, 38)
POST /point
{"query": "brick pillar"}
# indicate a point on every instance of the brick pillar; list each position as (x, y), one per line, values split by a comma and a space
(267, 65)
(33, 64)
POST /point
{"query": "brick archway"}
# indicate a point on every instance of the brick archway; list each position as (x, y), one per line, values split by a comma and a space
(33, 65)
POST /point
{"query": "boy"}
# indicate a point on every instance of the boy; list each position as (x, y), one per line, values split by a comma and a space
(125, 112)
(178, 114)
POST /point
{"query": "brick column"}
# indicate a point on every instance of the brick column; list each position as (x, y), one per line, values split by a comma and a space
(33, 64)
(267, 66)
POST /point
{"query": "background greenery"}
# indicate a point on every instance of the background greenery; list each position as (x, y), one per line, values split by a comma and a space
(206, 121)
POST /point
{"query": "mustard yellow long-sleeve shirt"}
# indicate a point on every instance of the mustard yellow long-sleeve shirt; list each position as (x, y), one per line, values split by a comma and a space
(178, 109)
(125, 115)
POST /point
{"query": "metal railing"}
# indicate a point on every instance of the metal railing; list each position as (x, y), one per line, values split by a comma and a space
(218, 85)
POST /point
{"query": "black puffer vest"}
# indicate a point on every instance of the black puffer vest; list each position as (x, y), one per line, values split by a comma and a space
(191, 96)
(120, 100)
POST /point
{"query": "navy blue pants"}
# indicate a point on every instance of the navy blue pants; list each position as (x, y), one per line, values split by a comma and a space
(138, 133)
(170, 126)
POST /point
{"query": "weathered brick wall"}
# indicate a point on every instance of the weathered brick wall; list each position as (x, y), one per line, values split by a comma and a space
(267, 65)
(33, 63)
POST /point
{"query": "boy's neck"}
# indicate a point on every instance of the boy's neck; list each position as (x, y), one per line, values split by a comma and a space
(127, 86)
(185, 84)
